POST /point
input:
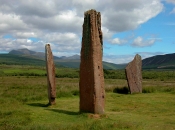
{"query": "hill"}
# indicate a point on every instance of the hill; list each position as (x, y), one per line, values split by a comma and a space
(159, 62)
(28, 57)
(11, 59)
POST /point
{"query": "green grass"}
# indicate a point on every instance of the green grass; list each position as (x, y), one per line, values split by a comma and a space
(19, 70)
(23, 70)
(23, 106)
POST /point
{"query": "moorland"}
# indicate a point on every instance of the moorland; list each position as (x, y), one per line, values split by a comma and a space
(23, 101)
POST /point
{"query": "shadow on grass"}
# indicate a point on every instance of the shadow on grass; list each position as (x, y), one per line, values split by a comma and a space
(121, 90)
(64, 111)
(38, 105)
(54, 110)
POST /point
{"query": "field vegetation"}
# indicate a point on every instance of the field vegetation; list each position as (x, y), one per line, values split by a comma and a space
(23, 70)
(23, 101)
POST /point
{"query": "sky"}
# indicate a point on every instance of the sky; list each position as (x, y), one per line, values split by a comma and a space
(130, 27)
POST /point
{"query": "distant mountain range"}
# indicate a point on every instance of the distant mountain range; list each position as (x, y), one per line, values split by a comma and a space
(28, 57)
(40, 55)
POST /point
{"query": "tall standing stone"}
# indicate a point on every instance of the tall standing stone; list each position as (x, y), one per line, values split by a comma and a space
(134, 75)
(92, 92)
(50, 75)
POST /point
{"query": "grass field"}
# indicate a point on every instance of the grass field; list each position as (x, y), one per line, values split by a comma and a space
(27, 70)
(23, 105)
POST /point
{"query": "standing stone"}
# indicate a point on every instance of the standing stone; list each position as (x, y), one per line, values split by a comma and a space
(50, 75)
(134, 75)
(92, 92)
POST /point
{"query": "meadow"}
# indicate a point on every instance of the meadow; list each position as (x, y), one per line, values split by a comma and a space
(24, 103)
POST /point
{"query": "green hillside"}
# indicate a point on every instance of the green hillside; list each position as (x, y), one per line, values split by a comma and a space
(11, 59)
(68, 62)
(160, 62)
(113, 66)
(156, 62)
(20, 60)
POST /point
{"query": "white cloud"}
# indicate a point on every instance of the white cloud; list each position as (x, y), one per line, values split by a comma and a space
(11, 23)
(122, 16)
(21, 41)
(118, 41)
(64, 42)
(24, 34)
(59, 54)
(62, 38)
(107, 34)
(29, 41)
(65, 21)
(10, 44)
(141, 42)
(118, 59)
(60, 22)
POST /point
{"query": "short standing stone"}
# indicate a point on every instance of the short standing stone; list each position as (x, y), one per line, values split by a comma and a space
(91, 83)
(134, 75)
(50, 75)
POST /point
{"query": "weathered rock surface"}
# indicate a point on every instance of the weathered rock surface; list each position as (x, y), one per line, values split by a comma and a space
(50, 75)
(92, 92)
(134, 75)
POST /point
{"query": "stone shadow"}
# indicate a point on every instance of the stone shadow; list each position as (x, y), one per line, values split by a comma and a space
(64, 111)
(38, 104)
(53, 109)
(121, 90)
